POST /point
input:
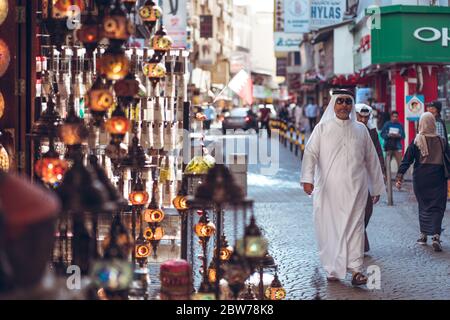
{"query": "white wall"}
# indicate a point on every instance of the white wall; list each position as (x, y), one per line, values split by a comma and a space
(343, 50)
(262, 53)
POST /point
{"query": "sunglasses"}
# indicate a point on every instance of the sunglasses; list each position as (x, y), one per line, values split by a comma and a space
(348, 101)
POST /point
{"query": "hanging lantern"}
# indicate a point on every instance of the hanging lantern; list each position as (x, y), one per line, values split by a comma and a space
(149, 14)
(127, 89)
(236, 271)
(116, 27)
(117, 126)
(73, 131)
(114, 64)
(153, 215)
(204, 228)
(99, 98)
(50, 168)
(154, 233)
(143, 249)
(161, 42)
(255, 244)
(5, 57)
(249, 294)
(225, 250)
(154, 70)
(275, 291)
(3, 10)
(117, 243)
(180, 203)
(62, 8)
(4, 159)
(138, 197)
(89, 34)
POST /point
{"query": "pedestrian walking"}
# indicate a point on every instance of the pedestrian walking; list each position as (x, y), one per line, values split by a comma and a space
(210, 114)
(393, 134)
(339, 166)
(430, 156)
(312, 112)
(363, 115)
(435, 108)
(299, 117)
(264, 118)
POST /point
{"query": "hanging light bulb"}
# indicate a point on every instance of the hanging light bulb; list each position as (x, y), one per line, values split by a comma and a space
(99, 98)
(138, 197)
(149, 14)
(89, 34)
(180, 202)
(204, 228)
(153, 215)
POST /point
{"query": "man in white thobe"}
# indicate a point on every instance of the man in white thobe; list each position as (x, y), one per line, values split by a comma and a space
(339, 166)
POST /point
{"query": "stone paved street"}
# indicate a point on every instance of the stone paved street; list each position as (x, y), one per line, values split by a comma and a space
(408, 271)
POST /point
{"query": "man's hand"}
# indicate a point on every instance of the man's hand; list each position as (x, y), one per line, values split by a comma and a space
(308, 188)
(398, 184)
(375, 199)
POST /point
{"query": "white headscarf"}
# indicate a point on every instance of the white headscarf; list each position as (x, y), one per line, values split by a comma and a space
(329, 112)
(359, 107)
(427, 128)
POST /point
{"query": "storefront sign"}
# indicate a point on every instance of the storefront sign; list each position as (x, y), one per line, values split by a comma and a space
(326, 12)
(415, 34)
(415, 106)
(296, 16)
(285, 42)
(175, 21)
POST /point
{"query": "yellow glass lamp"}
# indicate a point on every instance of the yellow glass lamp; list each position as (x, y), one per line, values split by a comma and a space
(161, 42)
(154, 234)
(204, 228)
(180, 203)
(3, 10)
(154, 70)
(138, 197)
(149, 14)
(275, 291)
(99, 98)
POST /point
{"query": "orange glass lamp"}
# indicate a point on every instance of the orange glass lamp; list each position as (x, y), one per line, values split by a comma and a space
(117, 126)
(50, 168)
(204, 228)
(180, 203)
(275, 291)
(116, 27)
(138, 195)
(154, 69)
(142, 250)
(154, 233)
(226, 250)
(153, 215)
(99, 98)
(114, 64)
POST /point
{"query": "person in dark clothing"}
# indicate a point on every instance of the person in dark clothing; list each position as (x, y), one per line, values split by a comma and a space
(264, 118)
(363, 114)
(435, 108)
(427, 152)
(393, 134)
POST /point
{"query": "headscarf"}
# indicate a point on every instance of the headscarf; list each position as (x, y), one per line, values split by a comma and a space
(359, 107)
(427, 128)
(329, 112)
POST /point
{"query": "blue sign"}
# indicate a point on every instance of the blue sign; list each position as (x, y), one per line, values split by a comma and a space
(414, 107)
(296, 16)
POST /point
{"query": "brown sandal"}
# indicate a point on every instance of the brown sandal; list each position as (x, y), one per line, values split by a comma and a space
(359, 279)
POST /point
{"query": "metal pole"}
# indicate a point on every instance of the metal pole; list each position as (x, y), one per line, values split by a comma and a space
(389, 178)
(261, 283)
(217, 252)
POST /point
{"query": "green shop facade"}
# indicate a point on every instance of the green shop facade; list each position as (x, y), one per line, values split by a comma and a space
(410, 45)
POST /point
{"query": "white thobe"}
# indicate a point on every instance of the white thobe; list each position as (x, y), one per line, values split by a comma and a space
(341, 161)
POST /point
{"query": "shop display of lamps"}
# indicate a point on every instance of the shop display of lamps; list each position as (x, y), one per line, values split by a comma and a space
(117, 126)
(116, 26)
(150, 13)
(161, 42)
(275, 291)
(114, 64)
(51, 168)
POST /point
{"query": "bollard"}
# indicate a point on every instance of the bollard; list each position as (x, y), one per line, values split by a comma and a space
(389, 179)
(302, 146)
(291, 139)
(297, 136)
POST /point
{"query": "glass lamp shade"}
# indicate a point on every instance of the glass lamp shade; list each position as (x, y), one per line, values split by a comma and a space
(154, 70)
(161, 42)
(154, 234)
(128, 87)
(89, 34)
(255, 247)
(153, 215)
(2, 105)
(180, 203)
(62, 8)
(212, 274)
(99, 100)
(275, 291)
(4, 159)
(118, 124)
(205, 229)
(73, 133)
(116, 26)
(225, 253)
(3, 10)
(138, 197)
(114, 64)
(149, 14)
(50, 168)
(143, 249)
(5, 57)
